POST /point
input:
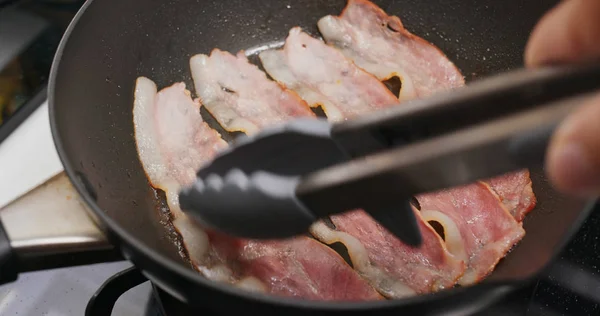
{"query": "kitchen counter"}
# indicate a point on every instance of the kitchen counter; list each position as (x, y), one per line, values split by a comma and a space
(28, 158)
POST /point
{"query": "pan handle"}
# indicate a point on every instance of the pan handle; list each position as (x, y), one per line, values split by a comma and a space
(8, 262)
(50, 227)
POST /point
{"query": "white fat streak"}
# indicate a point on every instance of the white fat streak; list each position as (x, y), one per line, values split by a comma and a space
(217, 273)
(472, 276)
(452, 236)
(222, 273)
(379, 279)
(145, 132)
(277, 67)
(171, 189)
(213, 97)
(194, 238)
(252, 284)
(334, 31)
(469, 278)
(274, 63)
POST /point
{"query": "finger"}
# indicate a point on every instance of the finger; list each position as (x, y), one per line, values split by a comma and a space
(568, 33)
(573, 163)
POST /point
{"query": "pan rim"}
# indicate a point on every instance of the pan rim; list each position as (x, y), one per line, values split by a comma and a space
(496, 289)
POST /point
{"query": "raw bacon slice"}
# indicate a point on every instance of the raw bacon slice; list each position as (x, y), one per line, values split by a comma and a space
(299, 267)
(393, 268)
(321, 75)
(516, 193)
(173, 142)
(477, 227)
(239, 95)
(382, 46)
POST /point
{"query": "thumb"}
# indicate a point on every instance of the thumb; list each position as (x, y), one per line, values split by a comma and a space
(568, 33)
(573, 160)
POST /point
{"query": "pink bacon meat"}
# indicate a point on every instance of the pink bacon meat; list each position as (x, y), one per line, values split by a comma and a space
(173, 142)
(515, 192)
(395, 269)
(477, 227)
(382, 46)
(300, 267)
(323, 76)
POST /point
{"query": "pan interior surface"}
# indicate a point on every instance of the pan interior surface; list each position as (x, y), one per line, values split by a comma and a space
(116, 41)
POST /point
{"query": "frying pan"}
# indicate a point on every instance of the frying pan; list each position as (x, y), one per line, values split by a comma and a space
(112, 42)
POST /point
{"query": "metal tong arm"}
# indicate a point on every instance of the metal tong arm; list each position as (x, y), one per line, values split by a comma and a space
(494, 126)
(481, 101)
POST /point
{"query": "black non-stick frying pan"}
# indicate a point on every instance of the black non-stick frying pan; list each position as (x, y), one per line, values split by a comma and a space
(112, 42)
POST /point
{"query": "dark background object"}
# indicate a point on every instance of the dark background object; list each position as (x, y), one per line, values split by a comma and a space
(114, 41)
(30, 32)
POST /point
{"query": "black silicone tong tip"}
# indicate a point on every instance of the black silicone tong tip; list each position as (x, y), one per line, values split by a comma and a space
(400, 222)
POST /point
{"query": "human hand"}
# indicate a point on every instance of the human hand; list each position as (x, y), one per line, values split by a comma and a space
(570, 33)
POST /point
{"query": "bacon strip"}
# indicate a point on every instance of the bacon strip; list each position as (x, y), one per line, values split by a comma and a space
(382, 46)
(516, 193)
(173, 142)
(300, 267)
(481, 231)
(239, 95)
(323, 76)
(394, 268)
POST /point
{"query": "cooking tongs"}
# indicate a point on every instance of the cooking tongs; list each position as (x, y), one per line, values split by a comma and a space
(276, 183)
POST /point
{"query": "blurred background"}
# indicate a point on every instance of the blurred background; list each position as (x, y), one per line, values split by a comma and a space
(29, 35)
(30, 31)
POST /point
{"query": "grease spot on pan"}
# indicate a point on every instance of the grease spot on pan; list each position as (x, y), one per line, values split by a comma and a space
(255, 50)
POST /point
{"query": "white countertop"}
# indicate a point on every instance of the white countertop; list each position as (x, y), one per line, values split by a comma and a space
(27, 159)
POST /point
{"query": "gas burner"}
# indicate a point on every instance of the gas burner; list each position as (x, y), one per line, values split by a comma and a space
(159, 304)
